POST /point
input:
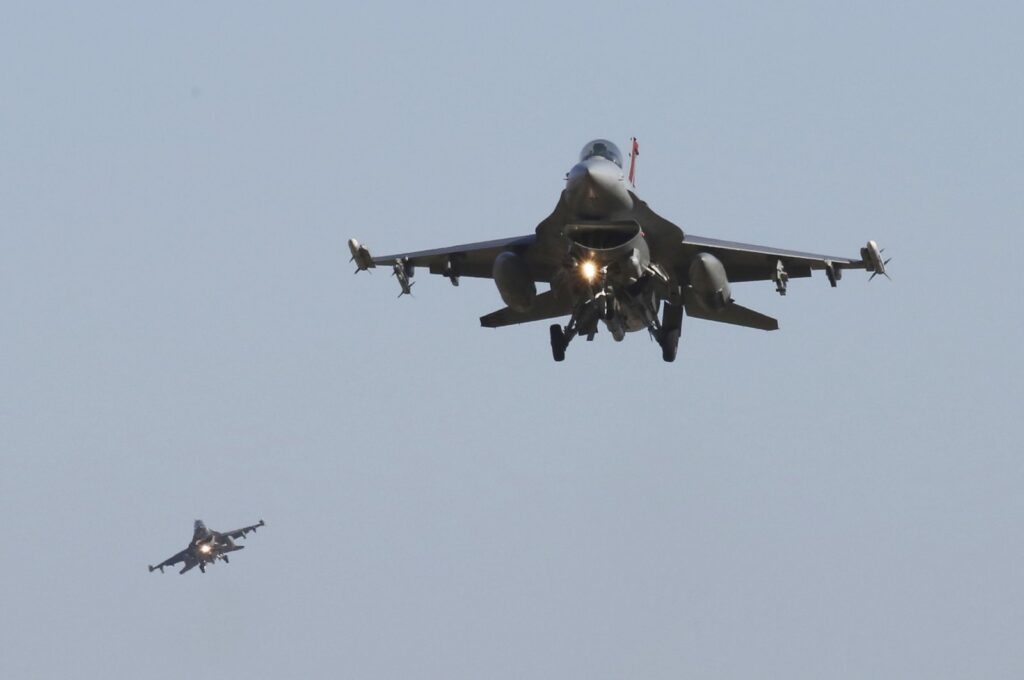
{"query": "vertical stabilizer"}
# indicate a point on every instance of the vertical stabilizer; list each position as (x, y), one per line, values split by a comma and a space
(634, 151)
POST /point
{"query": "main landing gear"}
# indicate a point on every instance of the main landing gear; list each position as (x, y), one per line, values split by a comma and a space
(671, 327)
(584, 322)
(558, 342)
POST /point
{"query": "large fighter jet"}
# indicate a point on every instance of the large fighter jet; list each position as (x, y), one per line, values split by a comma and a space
(206, 547)
(609, 258)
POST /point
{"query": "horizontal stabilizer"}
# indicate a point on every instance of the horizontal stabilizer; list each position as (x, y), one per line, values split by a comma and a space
(734, 314)
(545, 306)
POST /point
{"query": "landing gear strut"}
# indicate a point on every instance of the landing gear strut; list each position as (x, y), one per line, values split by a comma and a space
(668, 334)
(583, 322)
(558, 342)
(585, 318)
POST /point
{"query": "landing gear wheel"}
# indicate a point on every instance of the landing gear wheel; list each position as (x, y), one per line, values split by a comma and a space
(671, 325)
(669, 345)
(558, 343)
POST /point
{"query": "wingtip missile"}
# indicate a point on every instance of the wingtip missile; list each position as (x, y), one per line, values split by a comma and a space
(261, 523)
(873, 262)
(360, 255)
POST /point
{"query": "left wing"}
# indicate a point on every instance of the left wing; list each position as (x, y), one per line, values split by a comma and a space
(747, 262)
(238, 533)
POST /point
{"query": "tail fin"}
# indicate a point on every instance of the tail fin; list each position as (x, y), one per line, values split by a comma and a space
(634, 151)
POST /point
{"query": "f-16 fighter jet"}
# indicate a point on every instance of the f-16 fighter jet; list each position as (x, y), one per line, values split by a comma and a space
(206, 547)
(610, 259)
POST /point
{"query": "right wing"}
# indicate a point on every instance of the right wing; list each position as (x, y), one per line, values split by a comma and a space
(477, 259)
(471, 259)
(170, 561)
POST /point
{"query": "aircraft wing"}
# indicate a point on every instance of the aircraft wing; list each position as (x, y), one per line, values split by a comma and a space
(239, 533)
(183, 556)
(747, 262)
(469, 259)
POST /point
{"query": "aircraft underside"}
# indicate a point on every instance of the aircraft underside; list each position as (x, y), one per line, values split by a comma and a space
(612, 260)
(629, 309)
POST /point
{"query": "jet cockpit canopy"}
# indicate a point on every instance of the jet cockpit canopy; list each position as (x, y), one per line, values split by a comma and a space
(602, 148)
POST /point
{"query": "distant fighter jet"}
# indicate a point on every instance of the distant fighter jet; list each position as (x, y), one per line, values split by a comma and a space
(609, 258)
(206, 547)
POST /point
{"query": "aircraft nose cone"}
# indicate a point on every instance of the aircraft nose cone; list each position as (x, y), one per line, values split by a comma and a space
(596, 189)
(595, 172)
(602, 172)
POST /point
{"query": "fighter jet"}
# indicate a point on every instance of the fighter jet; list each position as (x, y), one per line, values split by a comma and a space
(206, 547)
(609, 258)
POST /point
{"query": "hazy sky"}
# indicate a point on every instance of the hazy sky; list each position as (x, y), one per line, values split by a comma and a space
(181, 337)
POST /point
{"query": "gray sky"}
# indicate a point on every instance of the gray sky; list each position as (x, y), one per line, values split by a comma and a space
(182, 337)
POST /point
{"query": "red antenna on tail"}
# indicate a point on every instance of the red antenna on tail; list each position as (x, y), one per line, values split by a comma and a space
(634, 151)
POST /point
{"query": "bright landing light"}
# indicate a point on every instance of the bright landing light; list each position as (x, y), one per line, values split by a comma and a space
(589, 270)
(205, 548)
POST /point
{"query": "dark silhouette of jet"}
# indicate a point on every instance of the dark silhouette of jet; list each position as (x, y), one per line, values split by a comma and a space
(207, 547)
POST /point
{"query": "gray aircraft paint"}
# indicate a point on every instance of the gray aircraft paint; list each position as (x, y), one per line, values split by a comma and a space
(610, 259)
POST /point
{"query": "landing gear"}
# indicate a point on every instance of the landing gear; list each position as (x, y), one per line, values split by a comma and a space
(582, 322)
(621, 315)
(669, 342)
(668, 334)
(558, 343)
